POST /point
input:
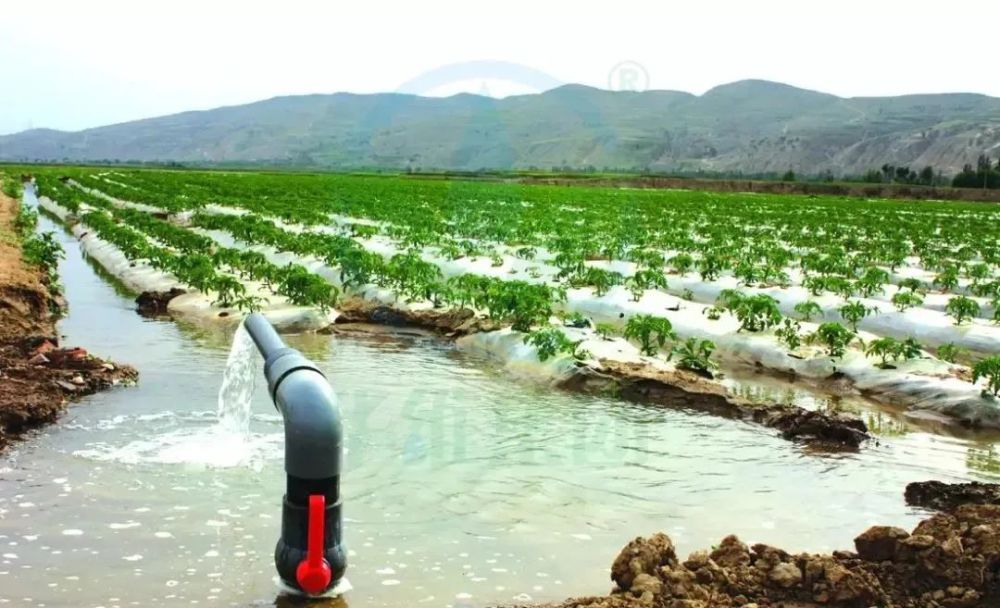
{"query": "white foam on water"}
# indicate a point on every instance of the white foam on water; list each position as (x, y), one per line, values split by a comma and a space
(227, 443)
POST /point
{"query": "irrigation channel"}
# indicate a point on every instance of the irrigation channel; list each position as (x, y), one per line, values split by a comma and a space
(462, 486)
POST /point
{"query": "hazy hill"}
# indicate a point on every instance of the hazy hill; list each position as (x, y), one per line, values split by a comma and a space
(751, 126)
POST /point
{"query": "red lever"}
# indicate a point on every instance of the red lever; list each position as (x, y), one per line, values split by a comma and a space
(313, 573)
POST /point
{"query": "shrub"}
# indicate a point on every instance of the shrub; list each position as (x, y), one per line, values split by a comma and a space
(808, 309)
(989, 369)
(642, 280)
(788, 333)
(551, 342)
(891, 349)
(906, 299)
(912, 284)
(947, 279)
(694, 354)
(714, 313)
(834, 336)
(853, 312)
(962, 308)
(650, 331)
(605, 330)
(949, 352)
(885, 348)
(681, 263)
(42, 250)
(757, 312)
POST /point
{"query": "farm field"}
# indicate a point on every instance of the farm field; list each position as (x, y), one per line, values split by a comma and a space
(835, 348)
(898, 298)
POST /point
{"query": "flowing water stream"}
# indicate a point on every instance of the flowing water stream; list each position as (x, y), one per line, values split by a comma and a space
(462, 486)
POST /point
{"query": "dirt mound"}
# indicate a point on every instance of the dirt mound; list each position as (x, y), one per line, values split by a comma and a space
(679, 388)
(951, 560)
(154, 303)
(37, 378)
(946, 496)
(445, 321)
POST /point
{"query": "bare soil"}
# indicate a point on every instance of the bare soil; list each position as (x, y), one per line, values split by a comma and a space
(680, 388)
(37, 377)
(951, 560)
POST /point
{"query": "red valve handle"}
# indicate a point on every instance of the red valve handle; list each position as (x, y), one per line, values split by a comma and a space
(313, 573)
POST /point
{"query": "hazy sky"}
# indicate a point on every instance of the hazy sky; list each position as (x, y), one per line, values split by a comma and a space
(73, 65)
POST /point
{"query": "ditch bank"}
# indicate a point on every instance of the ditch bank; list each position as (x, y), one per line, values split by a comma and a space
(950, 560)
(38, 378)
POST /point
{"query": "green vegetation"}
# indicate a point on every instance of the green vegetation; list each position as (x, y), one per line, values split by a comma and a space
(808, 309)
(890, 349)
(949, 352)
(467, 244)
(551, 342)
(694, 354)
(854, 312)
(962, 308)
(651, 332)
(989, 369)
(835, 337)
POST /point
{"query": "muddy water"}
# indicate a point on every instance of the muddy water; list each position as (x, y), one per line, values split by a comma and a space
(462, 487)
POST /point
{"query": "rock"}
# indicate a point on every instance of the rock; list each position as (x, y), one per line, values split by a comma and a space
(878, 543)
(646, 583)
(108, 367)
(908, 549)
(785, 575)
(66, 386)
(642, 556)
(45, 347)
(77, 380)
(152, 303)
(732, 552)
(948, 496)
(38, 359)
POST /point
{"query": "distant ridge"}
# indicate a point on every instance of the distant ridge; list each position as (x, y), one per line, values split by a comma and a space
(750, 126)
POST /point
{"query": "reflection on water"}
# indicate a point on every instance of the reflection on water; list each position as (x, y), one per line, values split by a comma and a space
(984, 460)
(461, 486)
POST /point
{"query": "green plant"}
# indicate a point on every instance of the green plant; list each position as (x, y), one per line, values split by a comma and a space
(601, 280)
(834, 336)
(988, 368)
(42, 250)
(757, 312)
(642, 280)
(789, 334)
(714, 313)
(551, 342)
(652, 332)
(886, 349)
(947, 280)
(872, 281)
(11, 186)
(854, 312)
(906, 299)
(26, 221)
(575, 319)
(912, 284)
(962, 308)
(688, 295)
(605, 330)
(950, 352)
(694, 354)
(681, 263)
(808, 309)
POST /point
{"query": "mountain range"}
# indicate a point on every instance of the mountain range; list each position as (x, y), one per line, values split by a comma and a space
(750, 126)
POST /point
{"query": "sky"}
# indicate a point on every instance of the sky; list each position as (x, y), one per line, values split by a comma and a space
(73, 65)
